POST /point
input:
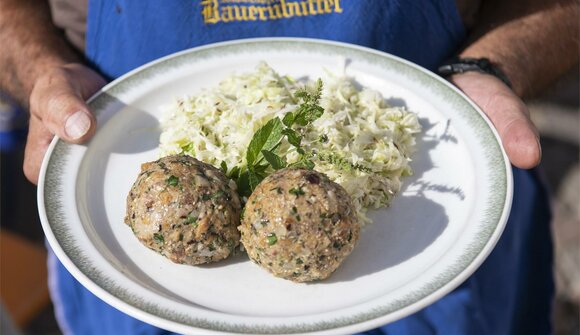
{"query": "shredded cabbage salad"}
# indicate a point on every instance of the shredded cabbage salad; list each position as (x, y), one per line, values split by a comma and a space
(360, 141)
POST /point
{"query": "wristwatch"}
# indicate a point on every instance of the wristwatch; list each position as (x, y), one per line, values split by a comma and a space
(482, 65)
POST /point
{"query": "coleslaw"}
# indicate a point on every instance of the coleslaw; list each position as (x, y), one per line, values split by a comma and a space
(360, 141)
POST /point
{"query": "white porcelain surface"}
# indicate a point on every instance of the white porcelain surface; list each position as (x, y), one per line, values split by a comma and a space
(437, 231)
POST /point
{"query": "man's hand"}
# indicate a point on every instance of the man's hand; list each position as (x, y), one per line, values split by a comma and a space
(57, 107)
(43, 72)
(532, 42)
(508, 113)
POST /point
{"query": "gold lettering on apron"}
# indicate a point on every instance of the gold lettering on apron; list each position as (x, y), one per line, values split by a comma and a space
(210, 11)
(294, 8)
(224, 11)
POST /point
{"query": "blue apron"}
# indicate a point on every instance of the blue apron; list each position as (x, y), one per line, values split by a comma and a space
(511, 292)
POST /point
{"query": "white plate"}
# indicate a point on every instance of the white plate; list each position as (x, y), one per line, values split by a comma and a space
(438, 230)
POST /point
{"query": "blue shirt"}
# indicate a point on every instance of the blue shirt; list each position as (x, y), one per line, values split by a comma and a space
(123, 34)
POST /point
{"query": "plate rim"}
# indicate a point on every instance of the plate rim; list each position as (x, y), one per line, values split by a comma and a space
(57, 146)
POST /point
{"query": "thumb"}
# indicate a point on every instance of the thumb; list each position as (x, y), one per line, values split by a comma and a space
(58, 100)
(508, 114)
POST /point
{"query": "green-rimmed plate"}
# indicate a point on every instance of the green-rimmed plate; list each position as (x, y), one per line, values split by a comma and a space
(436, 233)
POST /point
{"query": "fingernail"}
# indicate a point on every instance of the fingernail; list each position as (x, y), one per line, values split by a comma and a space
(77, 125)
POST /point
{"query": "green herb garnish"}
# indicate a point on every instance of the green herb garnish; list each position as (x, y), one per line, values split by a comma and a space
(158, 238)
(191, 219)
(293, 137)
(275, 161)
(262, 156)
(272, 239)
(288, 119)
(266, 138)
(218, 194)
(296, 191)
(309, 110)
(224, 167)
(172, 180)
(340, 162)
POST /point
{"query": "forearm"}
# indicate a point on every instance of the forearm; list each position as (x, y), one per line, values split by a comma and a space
(532, 41)
(31, 45)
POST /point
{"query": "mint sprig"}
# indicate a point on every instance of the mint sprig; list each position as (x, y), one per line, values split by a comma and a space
(262, 154)
(266, 138)
(275, 161)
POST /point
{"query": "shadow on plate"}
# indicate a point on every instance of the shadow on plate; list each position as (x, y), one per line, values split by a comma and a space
(385, 243)
(419, 220)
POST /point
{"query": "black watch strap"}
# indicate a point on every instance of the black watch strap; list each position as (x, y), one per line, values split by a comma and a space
(482, 65)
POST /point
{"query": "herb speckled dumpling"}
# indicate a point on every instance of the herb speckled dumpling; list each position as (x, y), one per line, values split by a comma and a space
(184, 209)
(299, 225)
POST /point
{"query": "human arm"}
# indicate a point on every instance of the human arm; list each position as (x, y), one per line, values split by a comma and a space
(43, 72)
(533, 42)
